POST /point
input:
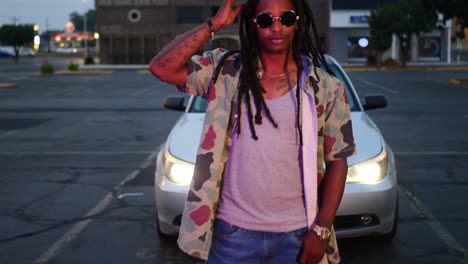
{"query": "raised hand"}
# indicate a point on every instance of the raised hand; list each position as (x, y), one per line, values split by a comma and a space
(226, 14)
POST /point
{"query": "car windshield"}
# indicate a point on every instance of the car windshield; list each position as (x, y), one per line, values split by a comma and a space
(199, 104)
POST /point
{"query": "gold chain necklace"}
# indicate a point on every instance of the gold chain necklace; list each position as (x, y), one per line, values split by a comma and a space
(272, 75)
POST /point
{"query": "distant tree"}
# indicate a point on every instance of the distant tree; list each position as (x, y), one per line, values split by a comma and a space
(16, 36)
(380, 33)
(408, 17)
(77, 20)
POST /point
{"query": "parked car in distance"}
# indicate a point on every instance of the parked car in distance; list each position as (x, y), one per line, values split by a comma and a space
(66, 50)
(23, 51)
(7, 52)
(370, 203)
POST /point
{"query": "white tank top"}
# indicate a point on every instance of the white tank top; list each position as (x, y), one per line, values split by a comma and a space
(262, 185)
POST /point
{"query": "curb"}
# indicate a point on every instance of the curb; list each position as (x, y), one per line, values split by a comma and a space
(359, 69)
(79, 72)
(7, 85)
(142, 72)
(85, 72)
(458, 81)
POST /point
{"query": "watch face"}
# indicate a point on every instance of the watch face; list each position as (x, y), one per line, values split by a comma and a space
(322, 232)
(325, 233)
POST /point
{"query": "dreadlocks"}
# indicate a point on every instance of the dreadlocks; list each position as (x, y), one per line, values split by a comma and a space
(304, 43)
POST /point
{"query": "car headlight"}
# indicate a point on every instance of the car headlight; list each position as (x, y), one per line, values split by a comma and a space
(369, 172)
(178, 171)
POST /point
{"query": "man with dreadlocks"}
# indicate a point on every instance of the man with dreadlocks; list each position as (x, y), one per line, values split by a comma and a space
(262, 196)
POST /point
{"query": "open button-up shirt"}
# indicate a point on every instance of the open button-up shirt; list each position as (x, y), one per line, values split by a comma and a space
(322, 95)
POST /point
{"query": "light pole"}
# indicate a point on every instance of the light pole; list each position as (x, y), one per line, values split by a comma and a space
(85, 29)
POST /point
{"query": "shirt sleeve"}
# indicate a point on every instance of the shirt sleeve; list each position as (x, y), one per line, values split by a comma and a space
(338, 133)
(200, 70)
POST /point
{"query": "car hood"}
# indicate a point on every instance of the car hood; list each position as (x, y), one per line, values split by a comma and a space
(185, 136)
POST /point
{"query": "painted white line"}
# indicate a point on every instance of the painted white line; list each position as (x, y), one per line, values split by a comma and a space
(7, 153)
(10, 133)
(123, 195)
(60, 244)
(435, 225)
(388, 90)
(439, 153)
(142, 91)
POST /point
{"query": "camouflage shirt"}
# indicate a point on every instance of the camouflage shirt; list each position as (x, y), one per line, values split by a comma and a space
(334, 140)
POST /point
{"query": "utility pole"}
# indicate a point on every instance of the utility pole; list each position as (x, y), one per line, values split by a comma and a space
(85, 29)
(49, 41)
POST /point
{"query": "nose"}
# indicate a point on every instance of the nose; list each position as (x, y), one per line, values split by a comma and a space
(276, 26)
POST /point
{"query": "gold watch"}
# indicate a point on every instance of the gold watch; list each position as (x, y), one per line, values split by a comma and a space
(323, 232)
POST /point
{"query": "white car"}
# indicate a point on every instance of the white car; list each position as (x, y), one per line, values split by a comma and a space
(26, 52)
(370, 202)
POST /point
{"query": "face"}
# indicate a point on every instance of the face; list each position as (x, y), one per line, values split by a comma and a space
(276, 38)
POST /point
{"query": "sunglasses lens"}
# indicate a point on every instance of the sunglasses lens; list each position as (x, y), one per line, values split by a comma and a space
(288, 18)
(264, 20)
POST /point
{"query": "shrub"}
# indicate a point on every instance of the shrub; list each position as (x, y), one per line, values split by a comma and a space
(390, 62)
(47, 68)
(73, 66)
(88, 59)
(371, 59)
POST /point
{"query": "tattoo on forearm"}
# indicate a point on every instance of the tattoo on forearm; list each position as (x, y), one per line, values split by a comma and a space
(182, 48)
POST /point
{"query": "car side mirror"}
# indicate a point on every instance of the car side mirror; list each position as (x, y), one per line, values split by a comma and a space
(375, 102)
(174, 103)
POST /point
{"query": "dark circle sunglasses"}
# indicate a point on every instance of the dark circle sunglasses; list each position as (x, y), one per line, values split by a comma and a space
(264, 20)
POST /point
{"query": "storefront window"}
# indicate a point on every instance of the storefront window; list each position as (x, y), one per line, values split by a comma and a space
(429, 47)
(189, 14)
(358, 47)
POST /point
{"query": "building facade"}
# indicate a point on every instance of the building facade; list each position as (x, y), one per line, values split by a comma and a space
(351, 37)
(133, 31)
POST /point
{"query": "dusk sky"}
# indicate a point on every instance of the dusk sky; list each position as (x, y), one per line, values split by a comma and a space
(57, 12)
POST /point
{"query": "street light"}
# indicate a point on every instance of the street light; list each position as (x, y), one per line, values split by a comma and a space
(85, 29)
(37, 39)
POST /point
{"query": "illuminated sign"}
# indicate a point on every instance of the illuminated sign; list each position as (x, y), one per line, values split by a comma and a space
(358, 19)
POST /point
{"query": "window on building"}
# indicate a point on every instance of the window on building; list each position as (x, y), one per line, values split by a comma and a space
(214, 10)
(359, 4)
(429, 47)
(189, 14)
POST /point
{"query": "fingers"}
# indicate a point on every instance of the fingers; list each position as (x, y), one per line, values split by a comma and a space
(310, 259)
(238, 10)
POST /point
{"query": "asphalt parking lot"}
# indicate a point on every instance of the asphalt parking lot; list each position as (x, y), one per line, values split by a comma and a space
(77, 161)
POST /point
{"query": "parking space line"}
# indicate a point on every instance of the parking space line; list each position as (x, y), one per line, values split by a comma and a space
(68, 237)
(435, 224)
(388, 90)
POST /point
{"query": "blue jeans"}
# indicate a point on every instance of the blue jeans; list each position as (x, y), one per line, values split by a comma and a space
(232, 244)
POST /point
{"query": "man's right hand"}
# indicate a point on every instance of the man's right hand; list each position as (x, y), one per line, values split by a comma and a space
(170, 64)
(226, 14)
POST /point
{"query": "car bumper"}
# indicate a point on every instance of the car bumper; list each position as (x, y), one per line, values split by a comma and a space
(359, 200)
(170, 199)
(368, 209)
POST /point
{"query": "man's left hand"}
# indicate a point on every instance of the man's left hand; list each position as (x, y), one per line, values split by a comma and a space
(313, 248)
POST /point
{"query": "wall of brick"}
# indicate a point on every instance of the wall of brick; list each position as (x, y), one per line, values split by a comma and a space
(133, 31)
